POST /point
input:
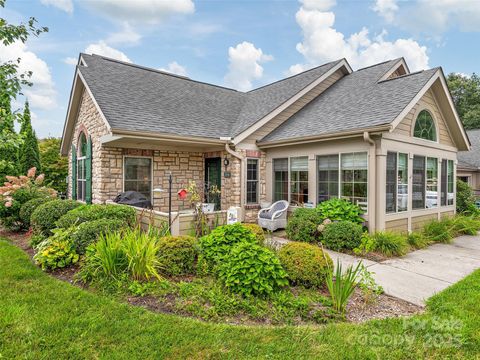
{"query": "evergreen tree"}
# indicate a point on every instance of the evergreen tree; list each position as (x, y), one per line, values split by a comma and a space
(26, 119)
(29, 155)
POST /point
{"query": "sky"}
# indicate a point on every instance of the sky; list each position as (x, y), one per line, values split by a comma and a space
(240, 44)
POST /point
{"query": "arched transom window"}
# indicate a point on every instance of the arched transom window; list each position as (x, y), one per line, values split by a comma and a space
(425, 126)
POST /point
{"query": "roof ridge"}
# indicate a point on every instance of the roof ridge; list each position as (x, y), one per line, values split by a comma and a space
(162, 72)
(380, 63)
(406, 75)
(292, 76)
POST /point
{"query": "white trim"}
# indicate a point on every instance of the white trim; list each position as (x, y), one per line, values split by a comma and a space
(258, 124)
(409, 197)
(428, 109)
(395, 67)
(151, 172)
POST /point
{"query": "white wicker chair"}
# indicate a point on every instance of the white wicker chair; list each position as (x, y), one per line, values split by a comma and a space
(274, 217)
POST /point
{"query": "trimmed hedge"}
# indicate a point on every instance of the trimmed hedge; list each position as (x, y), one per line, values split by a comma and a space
(303, 225)
(95, 212)
(43, 219)
(177, 255)
(305, 264)
(342, 235)
(29, 207)
(89, 232)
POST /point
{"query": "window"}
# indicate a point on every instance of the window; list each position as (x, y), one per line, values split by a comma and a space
(327, 166)
(432, 183)
(418, 182)
(425, 127)
(252, 181)
(298, 180)
(443, 185)
(451, 183)
(81, 167)
(397, 182)
(138, 175)
(280, 179)
(354, 178)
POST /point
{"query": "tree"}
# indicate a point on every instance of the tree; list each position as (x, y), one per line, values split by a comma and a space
(29, 155)
(54, 166)
(26, 120)
(466, 96)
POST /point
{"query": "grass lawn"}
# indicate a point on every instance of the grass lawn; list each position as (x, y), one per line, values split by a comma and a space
(45, 318)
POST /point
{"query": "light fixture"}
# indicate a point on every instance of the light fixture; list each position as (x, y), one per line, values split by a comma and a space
(226, 162)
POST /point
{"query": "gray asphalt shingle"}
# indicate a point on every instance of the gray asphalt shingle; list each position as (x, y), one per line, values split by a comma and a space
(472, 157)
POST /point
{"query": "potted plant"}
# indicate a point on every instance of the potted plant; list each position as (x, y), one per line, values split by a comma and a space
(211, 191)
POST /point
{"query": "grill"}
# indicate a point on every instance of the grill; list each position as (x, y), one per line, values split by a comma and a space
(133, 198)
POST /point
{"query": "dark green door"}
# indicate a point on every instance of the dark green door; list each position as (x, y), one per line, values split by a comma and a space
(213, 181)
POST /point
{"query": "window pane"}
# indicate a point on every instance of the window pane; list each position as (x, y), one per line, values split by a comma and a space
(402, 182)
(354, 177)
(443, 182)
(432, 183)
(138, 175)
(280, 190)
(391, 191)
(425, 127)
(252, 181)
(327, 177)
(299, 163)
(418, 182)
(299, 180)
(451, 171)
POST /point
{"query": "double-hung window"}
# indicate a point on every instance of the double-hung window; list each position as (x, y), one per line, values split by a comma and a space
(354, 178)
(138, 175)
(252, 181)
(425, 182)
(327, 166)
(82, 168)
(397, 182)
(432, 183)
(298, 180)
(450, 182)
(280, 179)
(418, 182)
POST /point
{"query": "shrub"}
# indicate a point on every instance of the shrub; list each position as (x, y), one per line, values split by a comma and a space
(251, 269)
(141, 251)
(219, 242)
(57, 251)
(95, 212)
(342, 235)
(390, 243)
(303, 225)
(367, 244)
(305, 264)
(417, 240)
(257, 231)
(29, 207)
(177, 254)
(44, 217)
(438, 231)
(465, 199)
(36, 239)
(342, 288)
(340, 210)
(89, 232)
(465, 225)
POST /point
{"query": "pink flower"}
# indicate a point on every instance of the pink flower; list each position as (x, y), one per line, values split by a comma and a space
(31, 172)
(8, 204)
(39, 179)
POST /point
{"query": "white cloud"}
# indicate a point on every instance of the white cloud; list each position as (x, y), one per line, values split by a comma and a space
(322, 43)
(175, 68)
(141, 11)
(320, 5)
(386, 9)
(127, 35)
(244, 65)
(70, 60)
(65, 5)
(101, 48)
(42, 94)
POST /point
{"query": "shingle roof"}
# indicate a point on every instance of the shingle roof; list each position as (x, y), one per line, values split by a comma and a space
(141, 99)
(354, 102)
(471, 158)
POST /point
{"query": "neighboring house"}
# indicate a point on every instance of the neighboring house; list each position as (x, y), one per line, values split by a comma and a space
(382, 137)
(468, 168)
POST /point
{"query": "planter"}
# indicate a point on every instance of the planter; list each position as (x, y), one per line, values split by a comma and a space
(208, 207)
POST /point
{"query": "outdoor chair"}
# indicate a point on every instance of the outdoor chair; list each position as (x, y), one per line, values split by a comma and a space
(274, 217)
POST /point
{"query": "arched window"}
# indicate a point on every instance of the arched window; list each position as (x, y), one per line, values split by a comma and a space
(425, 126)
(81, 167)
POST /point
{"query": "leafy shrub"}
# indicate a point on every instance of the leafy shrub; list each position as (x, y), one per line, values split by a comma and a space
(305, 264)
(177, 254)
(438, 231)
(465, 199)
(57, 251)
(343, 286)
(417, 240)
(95, 212)
(141, 252)
(216, 245)
(342, 235)
(29, 207)
(390, 243)
(89, 232)
(251, 269)
(465, 225)
(340, 210)
(367, 244)
(303, 225)
(258, 231)
(36, 239)
(44, 217)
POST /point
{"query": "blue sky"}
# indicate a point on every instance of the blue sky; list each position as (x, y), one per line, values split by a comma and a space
(240, 44)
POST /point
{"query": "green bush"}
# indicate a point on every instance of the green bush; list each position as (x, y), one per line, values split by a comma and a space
(340, 210)
(305, 264)
(251, 269)
(89, 232)
(141, 252)
(29, 207)
(258, 231)
(417, 240)
(342, 235)
(438, 231)
(465, 199)
(303, 225)
(57, 251)
(36, 239)
(44, 217)
(390, 243)
(465, 225)
(177, 254)
(95, 212)
(216, 245)
(367, 244)
(342, 285)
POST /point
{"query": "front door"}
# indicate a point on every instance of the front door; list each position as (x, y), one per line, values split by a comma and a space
(213, 181)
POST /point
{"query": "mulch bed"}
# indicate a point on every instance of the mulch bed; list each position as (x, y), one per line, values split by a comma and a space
(359, 309)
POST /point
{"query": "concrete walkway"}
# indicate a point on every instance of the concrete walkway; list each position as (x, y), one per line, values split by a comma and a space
(420, 274)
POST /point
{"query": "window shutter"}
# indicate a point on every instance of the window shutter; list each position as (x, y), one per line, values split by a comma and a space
(88, 168)
(74, 172)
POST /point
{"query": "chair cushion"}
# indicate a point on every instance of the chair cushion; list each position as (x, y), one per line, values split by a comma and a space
(266, 214)
(278, 206)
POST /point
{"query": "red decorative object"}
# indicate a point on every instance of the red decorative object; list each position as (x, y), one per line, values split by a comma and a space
(182, 194)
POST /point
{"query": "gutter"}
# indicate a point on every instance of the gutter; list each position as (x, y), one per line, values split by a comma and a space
(166, 137)
(372, 183)
(239, 156)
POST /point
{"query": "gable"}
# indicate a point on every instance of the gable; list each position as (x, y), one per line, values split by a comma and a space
(427, 102)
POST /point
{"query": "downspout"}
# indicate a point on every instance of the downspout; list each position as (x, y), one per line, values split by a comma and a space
(372, 161)
(242, 172)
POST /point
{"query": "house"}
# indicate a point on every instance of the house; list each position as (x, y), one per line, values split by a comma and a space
(383, 137)
(468, 168)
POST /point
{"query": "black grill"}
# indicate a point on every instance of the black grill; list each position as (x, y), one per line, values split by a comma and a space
(133, 198)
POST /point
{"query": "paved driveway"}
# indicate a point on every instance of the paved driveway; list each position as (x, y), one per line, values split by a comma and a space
(420, 274)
